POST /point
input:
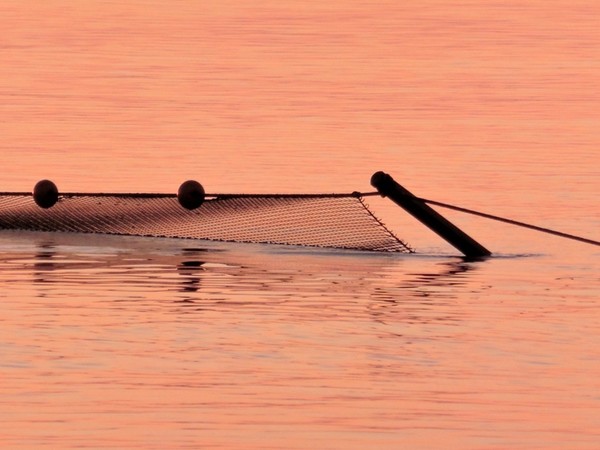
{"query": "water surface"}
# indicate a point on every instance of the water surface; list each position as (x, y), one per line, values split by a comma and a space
(116, 342)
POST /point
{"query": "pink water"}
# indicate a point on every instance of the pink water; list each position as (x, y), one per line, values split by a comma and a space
(110, 342)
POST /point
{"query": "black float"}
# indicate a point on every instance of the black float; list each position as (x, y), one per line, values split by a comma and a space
(191, 194)
(45, 194)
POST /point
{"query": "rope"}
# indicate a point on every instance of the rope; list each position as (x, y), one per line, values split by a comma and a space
(342, 195)
(511, 221)
(216, 196)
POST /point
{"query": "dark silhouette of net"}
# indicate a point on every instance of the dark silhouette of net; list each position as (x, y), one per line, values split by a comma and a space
(337, 221)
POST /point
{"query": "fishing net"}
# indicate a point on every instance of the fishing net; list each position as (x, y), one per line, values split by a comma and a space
(334, 220)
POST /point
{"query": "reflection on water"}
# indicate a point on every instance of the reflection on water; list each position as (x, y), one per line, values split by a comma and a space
(235, 267)
(190, 270)
(44, 262)
(417, 296)
(157, 341)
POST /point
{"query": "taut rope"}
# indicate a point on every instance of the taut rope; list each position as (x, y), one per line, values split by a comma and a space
(511, 221)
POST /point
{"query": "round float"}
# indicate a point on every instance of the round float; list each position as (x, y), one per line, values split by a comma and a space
(45, 194)
(190, 194)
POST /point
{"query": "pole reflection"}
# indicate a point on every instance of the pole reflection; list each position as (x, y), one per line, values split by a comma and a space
(426, 296)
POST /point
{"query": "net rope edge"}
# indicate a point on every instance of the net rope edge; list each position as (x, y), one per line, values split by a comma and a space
(211, 196)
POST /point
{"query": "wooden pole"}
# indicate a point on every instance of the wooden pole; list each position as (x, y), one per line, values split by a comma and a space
(388, 187)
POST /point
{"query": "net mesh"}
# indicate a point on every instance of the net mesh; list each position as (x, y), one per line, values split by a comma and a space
(319, 221)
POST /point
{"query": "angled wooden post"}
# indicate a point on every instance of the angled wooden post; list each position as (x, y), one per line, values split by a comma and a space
(388, 187)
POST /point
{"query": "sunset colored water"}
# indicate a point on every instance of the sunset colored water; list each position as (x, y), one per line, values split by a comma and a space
(147, 343)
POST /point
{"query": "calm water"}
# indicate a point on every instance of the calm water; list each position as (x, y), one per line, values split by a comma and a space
(114, 342)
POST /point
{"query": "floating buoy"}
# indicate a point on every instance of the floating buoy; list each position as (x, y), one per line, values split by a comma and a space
(45, 194)
(190, 194)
